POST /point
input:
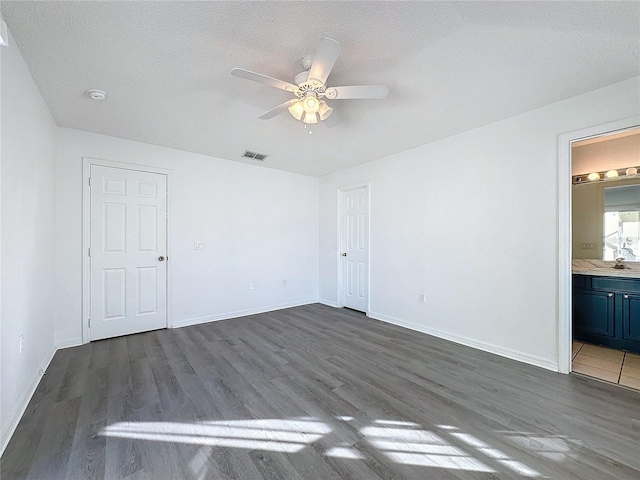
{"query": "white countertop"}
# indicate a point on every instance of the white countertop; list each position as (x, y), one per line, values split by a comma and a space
(605, 269)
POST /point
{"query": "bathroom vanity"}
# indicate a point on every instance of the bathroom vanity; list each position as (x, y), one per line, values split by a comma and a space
(606, 304)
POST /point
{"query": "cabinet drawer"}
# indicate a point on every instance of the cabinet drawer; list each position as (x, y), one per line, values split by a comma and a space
(616, 284)
(579, 281)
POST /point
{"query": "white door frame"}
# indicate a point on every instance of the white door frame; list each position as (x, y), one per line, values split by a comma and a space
(87, 162)
(340, 293)
(565, 334)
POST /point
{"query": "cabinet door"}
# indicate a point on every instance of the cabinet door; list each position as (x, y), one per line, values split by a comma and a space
(631, 317)
(593, 312)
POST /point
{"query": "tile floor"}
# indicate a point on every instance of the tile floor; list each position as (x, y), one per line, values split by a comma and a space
(615, 366)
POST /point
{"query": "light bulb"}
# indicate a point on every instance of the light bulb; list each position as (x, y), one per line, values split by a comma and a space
(310, 103)
(594, 176)
(296, 110)
(631, 171)
(611, 174)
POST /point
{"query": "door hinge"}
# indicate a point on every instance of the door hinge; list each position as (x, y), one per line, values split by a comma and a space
(89, 181)
(89, 322)
(89, 251)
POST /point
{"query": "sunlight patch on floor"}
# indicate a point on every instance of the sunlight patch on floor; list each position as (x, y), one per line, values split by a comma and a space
(396, 423)
(552, 447)
(495, 454)
(268, 434)
(400, 441)
(344, 452)
(411, 446)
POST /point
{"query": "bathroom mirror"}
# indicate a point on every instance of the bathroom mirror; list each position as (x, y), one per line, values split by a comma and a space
(606, 220)
(621, 224)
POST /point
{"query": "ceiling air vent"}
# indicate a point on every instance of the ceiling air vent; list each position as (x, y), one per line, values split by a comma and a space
(254, 156)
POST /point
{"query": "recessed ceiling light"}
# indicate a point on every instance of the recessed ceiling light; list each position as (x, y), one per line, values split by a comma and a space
(96, 94)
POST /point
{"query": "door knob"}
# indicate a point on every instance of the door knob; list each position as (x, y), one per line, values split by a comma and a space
(626, 296)
(344, 254)
(161, 258)
(610, 295)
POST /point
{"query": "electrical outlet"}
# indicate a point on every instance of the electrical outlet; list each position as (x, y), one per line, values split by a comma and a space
(251, 286)
(284, 283)
(422, 298)
(198, 245)
(21, 342)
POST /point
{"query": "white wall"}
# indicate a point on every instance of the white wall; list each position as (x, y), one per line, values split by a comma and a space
(616, 153)
(491, 283)
(28, 221)
(258, 225)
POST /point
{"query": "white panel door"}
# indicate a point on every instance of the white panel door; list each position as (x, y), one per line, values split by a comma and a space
(355, 248)
(128, 252)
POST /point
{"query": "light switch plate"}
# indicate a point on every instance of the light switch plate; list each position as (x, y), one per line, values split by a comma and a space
(198, 246)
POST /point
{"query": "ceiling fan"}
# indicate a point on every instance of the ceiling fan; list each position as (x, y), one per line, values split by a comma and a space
(310, 87)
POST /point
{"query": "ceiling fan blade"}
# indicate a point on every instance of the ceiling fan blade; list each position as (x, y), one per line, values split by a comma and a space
(324, 59)
(279, 109)
(359, 91)
(258, 77)
(332, 120)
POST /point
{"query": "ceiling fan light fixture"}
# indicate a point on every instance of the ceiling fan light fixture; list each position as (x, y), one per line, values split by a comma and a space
(310, 87)
(324, 110)
(310, 103)
(310, 118)
(296, 110)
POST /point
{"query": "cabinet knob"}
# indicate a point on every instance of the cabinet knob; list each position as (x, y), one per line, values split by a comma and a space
(626, 296)
(610, 295)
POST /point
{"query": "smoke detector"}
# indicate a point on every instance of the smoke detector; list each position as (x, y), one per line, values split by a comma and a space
(96, 94)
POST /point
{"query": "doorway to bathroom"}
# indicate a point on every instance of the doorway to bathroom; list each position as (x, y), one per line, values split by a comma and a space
(605, 256)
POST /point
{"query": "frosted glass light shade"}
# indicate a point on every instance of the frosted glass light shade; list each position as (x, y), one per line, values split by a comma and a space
(296, 110)
(310, 104)
(310, 118)
(594, 176)
(324, 110)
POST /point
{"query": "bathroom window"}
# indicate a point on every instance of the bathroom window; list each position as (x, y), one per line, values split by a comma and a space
(622, 235)
(622, 223)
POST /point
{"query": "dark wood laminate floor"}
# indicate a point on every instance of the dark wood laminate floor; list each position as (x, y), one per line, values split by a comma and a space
(316, 393)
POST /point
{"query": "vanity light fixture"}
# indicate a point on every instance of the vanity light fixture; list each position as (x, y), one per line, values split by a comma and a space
(606, 175)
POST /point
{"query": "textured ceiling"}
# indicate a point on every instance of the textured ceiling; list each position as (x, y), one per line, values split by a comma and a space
(450, 67)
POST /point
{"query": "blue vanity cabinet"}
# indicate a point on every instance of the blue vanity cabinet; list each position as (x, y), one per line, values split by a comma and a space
(594, 312)
(631, 317)
(606, 311)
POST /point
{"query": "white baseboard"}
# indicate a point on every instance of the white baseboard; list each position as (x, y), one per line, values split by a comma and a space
(69, 342)
(486, 347)
(240, 313)
(329, 303)
(21, 405)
